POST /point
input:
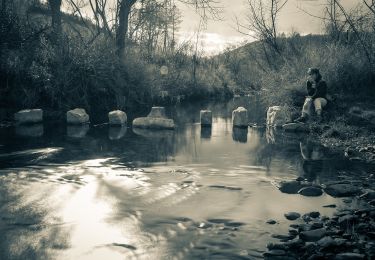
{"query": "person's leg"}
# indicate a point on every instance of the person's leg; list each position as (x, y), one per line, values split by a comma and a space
(319, 103)
(306, 110)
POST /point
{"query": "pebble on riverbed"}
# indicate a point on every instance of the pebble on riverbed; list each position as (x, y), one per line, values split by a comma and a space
(292, 215)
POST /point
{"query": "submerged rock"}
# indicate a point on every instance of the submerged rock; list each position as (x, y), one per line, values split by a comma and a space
(314, 214)
(271, 221)
(349, 256)
(275, 252)
(313, 235)
(341, 190)
(296, 127)
(206, 117)
(292, 215)
(326, 242)
(291, 187)
(311, 191)
(77, 116)
(117, 117)
(29, 116)
(239, 117)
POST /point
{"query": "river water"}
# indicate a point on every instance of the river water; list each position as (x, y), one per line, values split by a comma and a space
(118, 193)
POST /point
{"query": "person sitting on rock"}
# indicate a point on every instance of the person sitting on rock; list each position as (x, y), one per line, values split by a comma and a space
(317, 92)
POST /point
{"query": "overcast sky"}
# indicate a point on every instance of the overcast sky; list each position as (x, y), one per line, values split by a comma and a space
(219, 34)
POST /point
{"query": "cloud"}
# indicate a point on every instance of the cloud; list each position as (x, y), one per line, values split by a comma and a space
(212, 43)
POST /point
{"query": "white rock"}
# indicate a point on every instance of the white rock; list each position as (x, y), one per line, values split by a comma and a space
(117, 117)
(28, 116)
(156, 119)
(154, 123)
(239, 117)
(206, 117)
(277, 116)
(158, 112)
(77, 116)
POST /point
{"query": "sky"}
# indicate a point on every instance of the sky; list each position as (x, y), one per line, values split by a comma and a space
(220, 34)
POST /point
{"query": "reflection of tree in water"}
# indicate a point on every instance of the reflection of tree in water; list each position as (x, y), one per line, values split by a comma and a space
(314, 161)
(189, 112)
(318, 163)
(278, 146)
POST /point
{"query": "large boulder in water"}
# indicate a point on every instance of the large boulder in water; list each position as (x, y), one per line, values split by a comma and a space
(277, 116)
(313, 235)
(77, 116)
(311, 191)
(206, 117)
(155, 120)
(29, 116)
(291, 187)
(239, 117)
(117, 117)
(342, 190)
(153, 123)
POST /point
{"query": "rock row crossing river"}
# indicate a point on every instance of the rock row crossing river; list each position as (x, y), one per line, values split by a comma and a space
(192, 193)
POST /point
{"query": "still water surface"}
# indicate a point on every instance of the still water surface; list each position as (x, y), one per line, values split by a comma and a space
(121, 193)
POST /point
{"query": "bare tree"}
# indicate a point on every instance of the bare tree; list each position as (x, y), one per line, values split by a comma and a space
(357, 33)
(261, 21)
(55, 6)
(204, 7)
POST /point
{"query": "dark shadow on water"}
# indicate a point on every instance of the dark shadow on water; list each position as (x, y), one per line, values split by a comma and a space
(239, 134)
(206, 132)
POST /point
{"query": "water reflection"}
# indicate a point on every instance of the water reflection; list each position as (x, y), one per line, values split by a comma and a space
(35, 130)
(77, 131)
(117, 132)
(192, 193)
(239, 134)
(313, 159)
(206, 132)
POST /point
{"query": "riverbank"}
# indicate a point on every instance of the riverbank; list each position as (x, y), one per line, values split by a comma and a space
(349, 130)
(350, 232)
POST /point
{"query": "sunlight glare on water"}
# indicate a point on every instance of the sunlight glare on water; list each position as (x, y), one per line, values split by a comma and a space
(192, 193)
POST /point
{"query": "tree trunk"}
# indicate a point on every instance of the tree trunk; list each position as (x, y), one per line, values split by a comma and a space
(55, 6)
(123, 23)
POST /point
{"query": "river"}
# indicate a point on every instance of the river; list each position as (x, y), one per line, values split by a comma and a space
(117, 193)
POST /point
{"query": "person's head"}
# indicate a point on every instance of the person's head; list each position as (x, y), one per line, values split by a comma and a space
(314, 74)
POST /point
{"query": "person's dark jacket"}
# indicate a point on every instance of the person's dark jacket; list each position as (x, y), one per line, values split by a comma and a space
(320, 90)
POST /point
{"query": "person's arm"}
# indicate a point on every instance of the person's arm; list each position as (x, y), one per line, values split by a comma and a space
(310, 89)
(321, 90)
